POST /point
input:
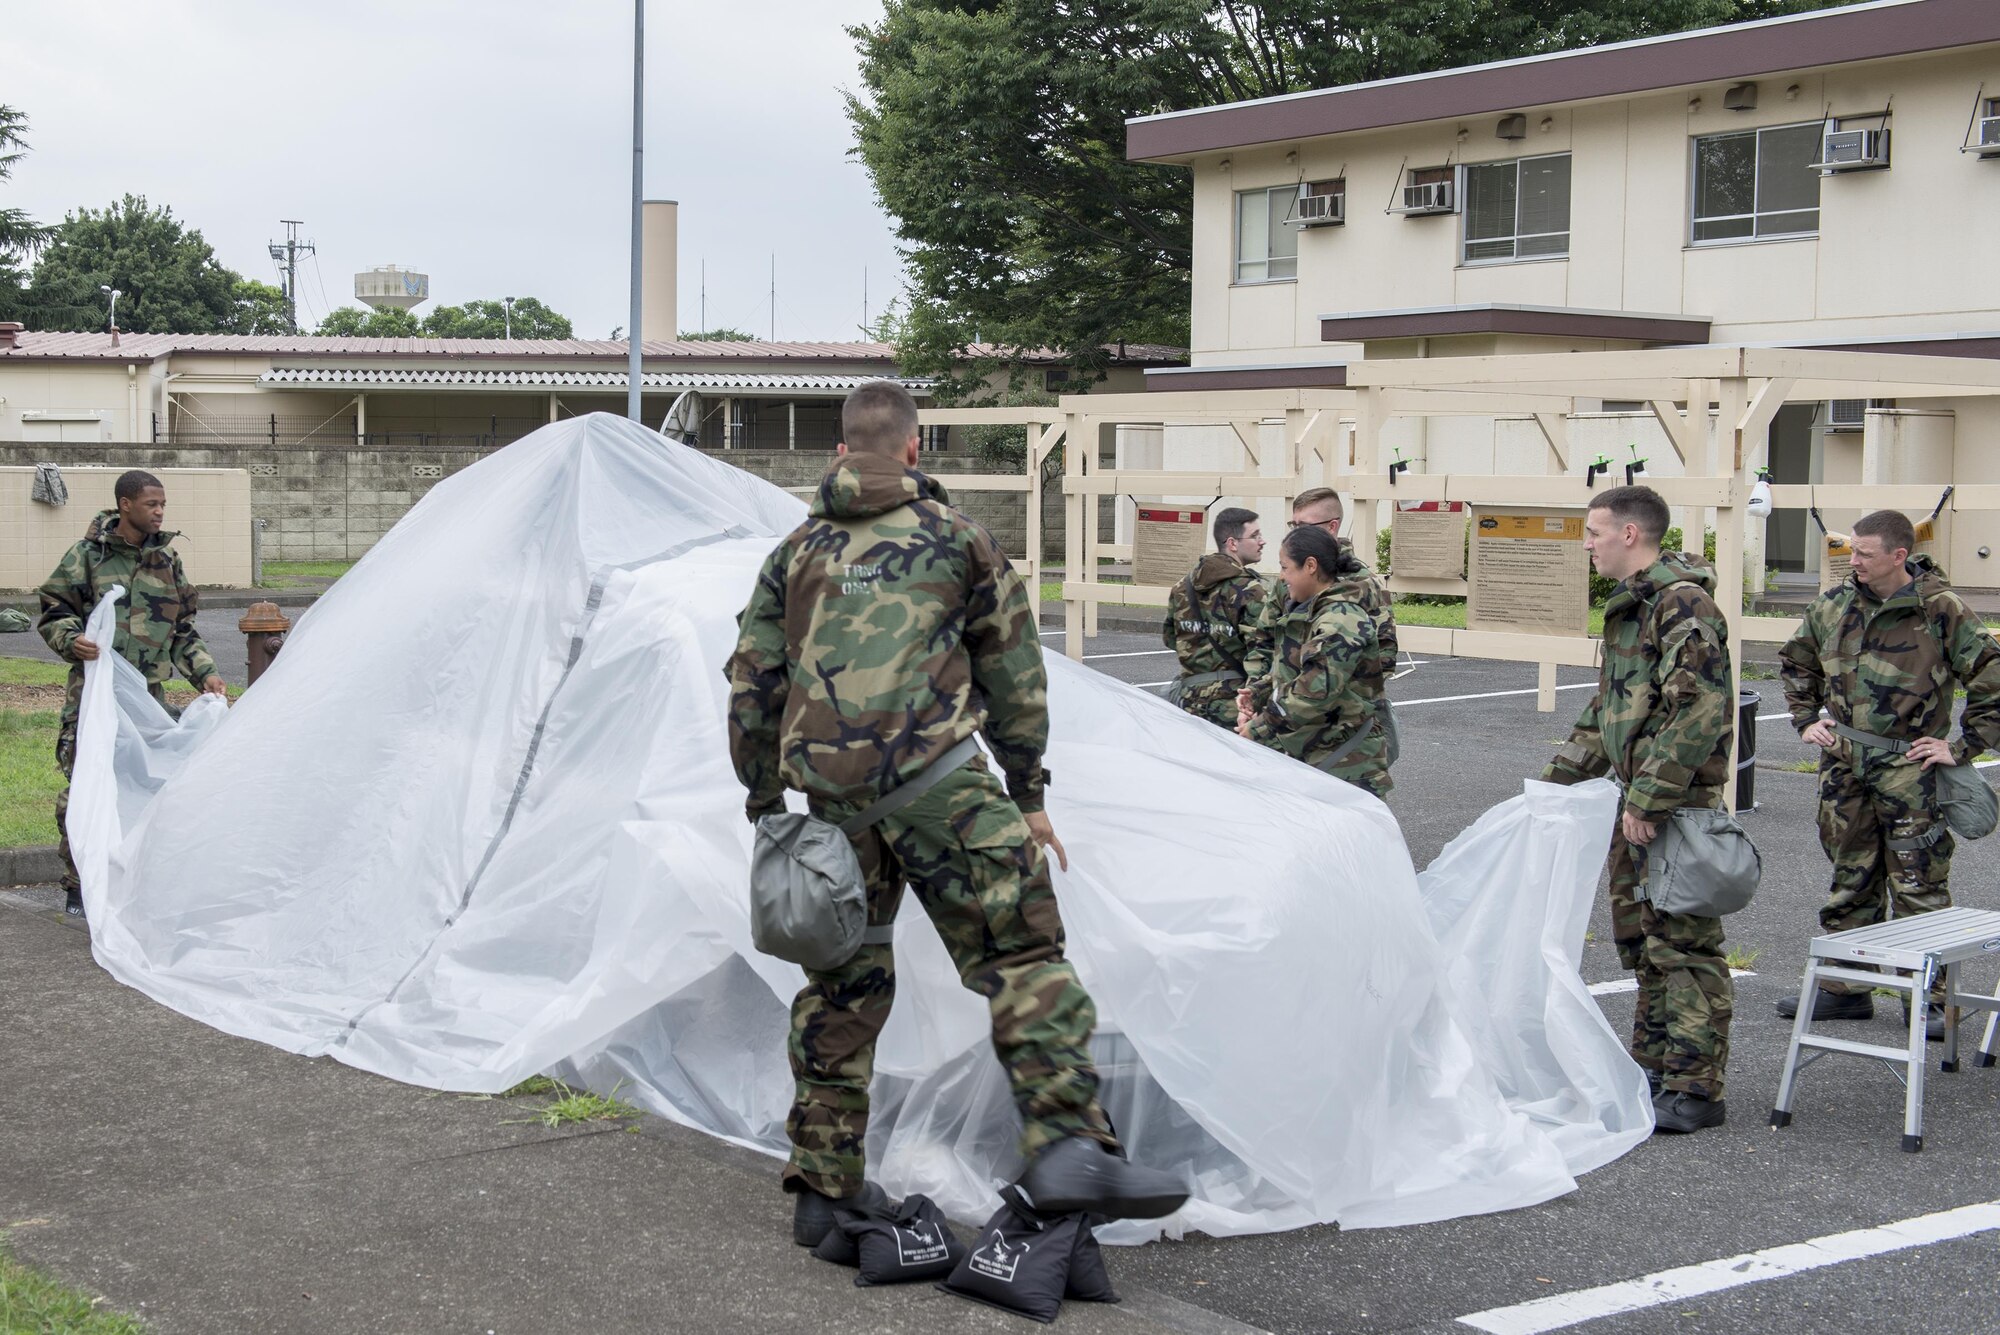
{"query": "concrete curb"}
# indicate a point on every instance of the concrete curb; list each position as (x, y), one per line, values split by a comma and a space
(35, 864)
(233, 598)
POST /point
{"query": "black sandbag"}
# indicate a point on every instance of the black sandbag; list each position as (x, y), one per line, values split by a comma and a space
(1020, 1262)
(892, 1245)
(1089, 1279)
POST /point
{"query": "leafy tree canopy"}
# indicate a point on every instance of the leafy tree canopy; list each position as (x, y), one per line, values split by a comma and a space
(994, 132)
(721, 334)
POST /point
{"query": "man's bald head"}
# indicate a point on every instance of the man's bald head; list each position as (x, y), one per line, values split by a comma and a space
(878, 418)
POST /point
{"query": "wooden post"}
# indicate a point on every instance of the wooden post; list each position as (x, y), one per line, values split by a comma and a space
(1729, 443)
(1091, 447)
(1073, 508)
(1369, 419)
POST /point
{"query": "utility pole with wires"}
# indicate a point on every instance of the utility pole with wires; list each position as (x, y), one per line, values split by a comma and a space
(286, 256)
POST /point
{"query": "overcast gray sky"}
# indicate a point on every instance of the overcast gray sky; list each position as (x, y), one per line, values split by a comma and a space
(486, 143)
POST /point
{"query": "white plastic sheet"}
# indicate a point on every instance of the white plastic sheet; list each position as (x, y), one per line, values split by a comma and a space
(478, 821)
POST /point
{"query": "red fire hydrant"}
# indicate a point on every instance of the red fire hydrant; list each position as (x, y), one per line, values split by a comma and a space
(265, 626)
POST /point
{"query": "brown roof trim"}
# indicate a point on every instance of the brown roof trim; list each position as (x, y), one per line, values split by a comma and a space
(1551, 321)
(1313, 376)
(1949, 346)
(1708, 55)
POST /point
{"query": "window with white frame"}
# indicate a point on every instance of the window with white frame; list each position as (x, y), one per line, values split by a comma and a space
(1756, 183)
(1266, 249)
(1517, 210)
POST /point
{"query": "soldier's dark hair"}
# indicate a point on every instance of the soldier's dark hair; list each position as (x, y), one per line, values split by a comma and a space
(1314, 495)
(129, 485)
(1892, 527)
(1230, 523)
(1635, 505)
(880, 417)
(1311, 542)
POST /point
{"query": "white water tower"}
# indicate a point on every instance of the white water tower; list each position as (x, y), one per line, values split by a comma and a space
(387, 287)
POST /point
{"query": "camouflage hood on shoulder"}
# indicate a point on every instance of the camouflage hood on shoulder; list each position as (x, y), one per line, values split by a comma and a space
(1927, 580)
(1216, 568)
(103, 530)
(1672, 568)
(862, 485)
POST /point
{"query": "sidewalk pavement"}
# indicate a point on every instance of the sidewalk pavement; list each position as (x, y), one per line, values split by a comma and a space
(210, 1184)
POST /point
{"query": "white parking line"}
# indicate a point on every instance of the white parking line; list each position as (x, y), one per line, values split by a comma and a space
(1766, 718)
(1136, 653)
(1563, 1310)
(1617, 985)
(1489, 695)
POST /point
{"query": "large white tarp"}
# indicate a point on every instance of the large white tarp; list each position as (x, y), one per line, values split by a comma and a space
(479, 821)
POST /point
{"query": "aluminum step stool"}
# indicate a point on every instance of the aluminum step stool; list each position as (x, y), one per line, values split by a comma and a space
(1926, 945)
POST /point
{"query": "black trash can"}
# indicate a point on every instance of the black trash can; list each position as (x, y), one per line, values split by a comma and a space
(1746, 748)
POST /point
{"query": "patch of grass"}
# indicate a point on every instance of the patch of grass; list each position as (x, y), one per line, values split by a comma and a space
(1807, 766)
(33, 1304)
(572, 1106)
(1742, 957)
(29, 781)
(1451, 616)
(297, 574)
(32, 672)
(1759, 672)
(534, 1084)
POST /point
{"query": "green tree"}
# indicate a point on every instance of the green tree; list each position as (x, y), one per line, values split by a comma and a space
(720, 334)
(259, 308)
(994, 132)
(20, 236)
(353, 322)
(167, 274)
(489, 319)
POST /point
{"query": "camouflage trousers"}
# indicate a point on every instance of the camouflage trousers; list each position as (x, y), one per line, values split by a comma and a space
(965, 849)
(1680, 1021)
(1880, 824)
(1215, 702)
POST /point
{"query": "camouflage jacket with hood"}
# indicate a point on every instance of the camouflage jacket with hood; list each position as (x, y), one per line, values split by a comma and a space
(1661, 719)
(1329, 670)
(881, 632)
(1210, 616)
(1887, 665)
(156, 631)
(1261, 643)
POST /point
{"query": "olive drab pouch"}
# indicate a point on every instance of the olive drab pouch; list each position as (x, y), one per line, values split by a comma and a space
(808, 896)
(1701, 863)
(1967, 800)
(892, 1245)
(1385, 715)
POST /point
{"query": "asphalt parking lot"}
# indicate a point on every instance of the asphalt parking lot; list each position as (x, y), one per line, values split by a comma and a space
(1470, 733)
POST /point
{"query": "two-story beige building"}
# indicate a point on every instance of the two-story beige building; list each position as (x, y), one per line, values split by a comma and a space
(1825, 180)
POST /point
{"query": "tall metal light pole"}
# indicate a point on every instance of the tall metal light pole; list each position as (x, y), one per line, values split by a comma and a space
(114, 294)
(633, 359)
(507, 317)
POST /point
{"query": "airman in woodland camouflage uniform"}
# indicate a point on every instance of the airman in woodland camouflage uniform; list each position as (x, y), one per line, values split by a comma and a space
(1323, 700)
(1881, 653)
(883, 631)
(155, 634)
(1320, 508)
(1660, 724)
(1211, 614)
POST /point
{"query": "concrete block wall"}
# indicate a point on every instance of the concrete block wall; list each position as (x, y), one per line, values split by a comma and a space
(209, 507)
(322, 504)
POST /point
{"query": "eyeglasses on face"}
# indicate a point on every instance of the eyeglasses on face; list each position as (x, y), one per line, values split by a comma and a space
(1324, 523)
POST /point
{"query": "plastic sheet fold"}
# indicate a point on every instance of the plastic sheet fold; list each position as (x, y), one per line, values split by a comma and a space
(478, 821)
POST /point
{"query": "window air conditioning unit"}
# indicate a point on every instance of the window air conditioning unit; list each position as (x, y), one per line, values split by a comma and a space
(1988, 143)
(1320, 210)
(1853, 150)
(1846, 414)
(1429, 197)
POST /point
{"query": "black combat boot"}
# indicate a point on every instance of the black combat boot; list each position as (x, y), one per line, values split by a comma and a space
(73, 903)
(812, 1213)
(1078, 1175)
(1832, 1006)
(1677, 1114)
(1933, 1021)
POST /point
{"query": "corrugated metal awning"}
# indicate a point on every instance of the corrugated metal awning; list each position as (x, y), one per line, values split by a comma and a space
(465, 378)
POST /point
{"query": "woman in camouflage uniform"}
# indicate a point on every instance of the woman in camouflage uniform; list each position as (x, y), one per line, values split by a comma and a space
(1323, 702)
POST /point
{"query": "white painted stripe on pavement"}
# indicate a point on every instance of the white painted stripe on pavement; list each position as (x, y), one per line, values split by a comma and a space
(1136, 653)
(1617, 985)
(1766, 718)
(1563, 1310)
(1489, 695)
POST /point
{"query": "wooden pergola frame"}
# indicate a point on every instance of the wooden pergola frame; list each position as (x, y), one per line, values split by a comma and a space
(1746, 385)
